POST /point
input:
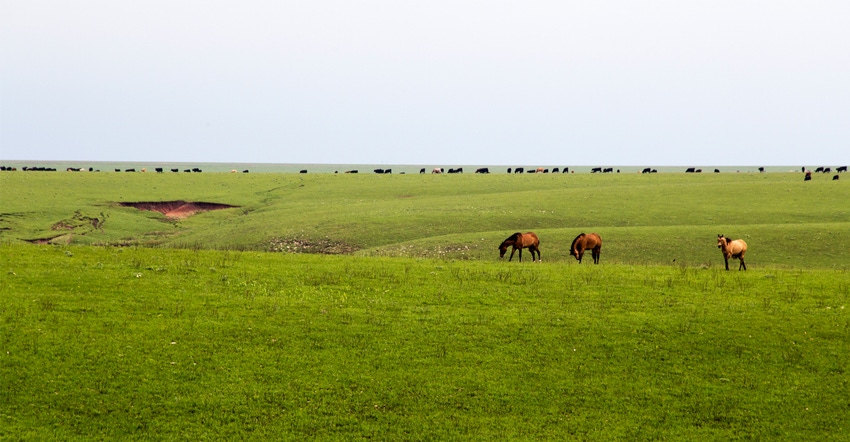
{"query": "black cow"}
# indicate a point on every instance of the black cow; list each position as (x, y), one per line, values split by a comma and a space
(519, 170)
(482, 170)
(378, 171)
(175, 170)
(841, 169)
(509, 170)
(819, 169)
(808, 176)
(690, 170)
(303, 171)
(196, 170)
(422, 170)
(130, 170)
(158, 170)
(555, 170)
(245, 171)
(596, 170)
(827, 170)
(608, 170)
(761, 169)
(458, 170)
(646, 170)
(716, 170)
(565, 170)
(834, 178)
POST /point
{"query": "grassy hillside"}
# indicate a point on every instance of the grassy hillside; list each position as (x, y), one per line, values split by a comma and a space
(643, 219)
(133, 325)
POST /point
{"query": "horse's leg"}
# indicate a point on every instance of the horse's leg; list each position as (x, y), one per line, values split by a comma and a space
(520, 254)
(726, 259)
(512, 254)
(596, 253)
(744, 266)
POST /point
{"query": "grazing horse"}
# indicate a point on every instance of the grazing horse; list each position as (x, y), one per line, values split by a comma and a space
(583, 242)
(521, 241)
(733, 249)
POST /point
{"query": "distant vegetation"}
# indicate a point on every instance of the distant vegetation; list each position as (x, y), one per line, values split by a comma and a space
(344, 307)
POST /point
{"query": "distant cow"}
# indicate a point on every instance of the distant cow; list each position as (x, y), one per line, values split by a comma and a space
(196, 170)
(841, 169)
(302, 171)
(716, 170)
(175, 170)
(808, 176)
(646, 170)
(519, 170)
(690, 170)
(130, 170)
(158, 170)
(245, 171)
(565, 170)
(422, 170)
(819, 169)
(596, 170)
(608, 170)
(437, 170)
(827, 170)
(352, 171)
(378, 171)
(458, 170)
(698, 171)
(834, 178)
(482, 170)
(556, 170)
(761, 169)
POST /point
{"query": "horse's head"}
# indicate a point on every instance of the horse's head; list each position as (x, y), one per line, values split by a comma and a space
(502, 249)
(574, 246)
(721, 241)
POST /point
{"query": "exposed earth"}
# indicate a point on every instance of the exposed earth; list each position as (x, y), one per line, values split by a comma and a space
(177, 209)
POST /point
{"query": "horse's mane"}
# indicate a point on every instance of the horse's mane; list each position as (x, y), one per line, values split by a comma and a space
(514, 237)
(573, 245)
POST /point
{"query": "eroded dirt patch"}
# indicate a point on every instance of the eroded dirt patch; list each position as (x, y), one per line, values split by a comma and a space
(177, 209)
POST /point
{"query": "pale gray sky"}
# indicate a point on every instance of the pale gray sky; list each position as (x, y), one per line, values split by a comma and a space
(437, 82)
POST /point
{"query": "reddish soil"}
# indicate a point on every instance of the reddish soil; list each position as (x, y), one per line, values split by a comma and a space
(177, 209)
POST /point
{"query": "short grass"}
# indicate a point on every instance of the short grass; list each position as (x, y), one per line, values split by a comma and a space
(129, 325)
(141, 343)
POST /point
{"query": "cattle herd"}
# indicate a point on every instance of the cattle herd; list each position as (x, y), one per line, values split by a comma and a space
(436, 170)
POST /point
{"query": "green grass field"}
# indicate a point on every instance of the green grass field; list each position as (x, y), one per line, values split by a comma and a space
(401, 323)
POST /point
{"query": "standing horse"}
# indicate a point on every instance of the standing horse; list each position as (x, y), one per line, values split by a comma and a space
(583, 242)
(521, 241)
(734, 249)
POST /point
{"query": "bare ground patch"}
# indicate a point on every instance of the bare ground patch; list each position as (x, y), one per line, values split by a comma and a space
(177, 209)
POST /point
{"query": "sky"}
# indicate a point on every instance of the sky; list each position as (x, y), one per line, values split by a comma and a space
(460, 82)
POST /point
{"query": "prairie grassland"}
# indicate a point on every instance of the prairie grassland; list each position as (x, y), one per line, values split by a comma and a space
(141, 327)
(140, 343)
(643, 219)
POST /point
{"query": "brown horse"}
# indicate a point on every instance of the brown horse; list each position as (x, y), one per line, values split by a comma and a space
(733, 249)
(521, 241)
(590, 241)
